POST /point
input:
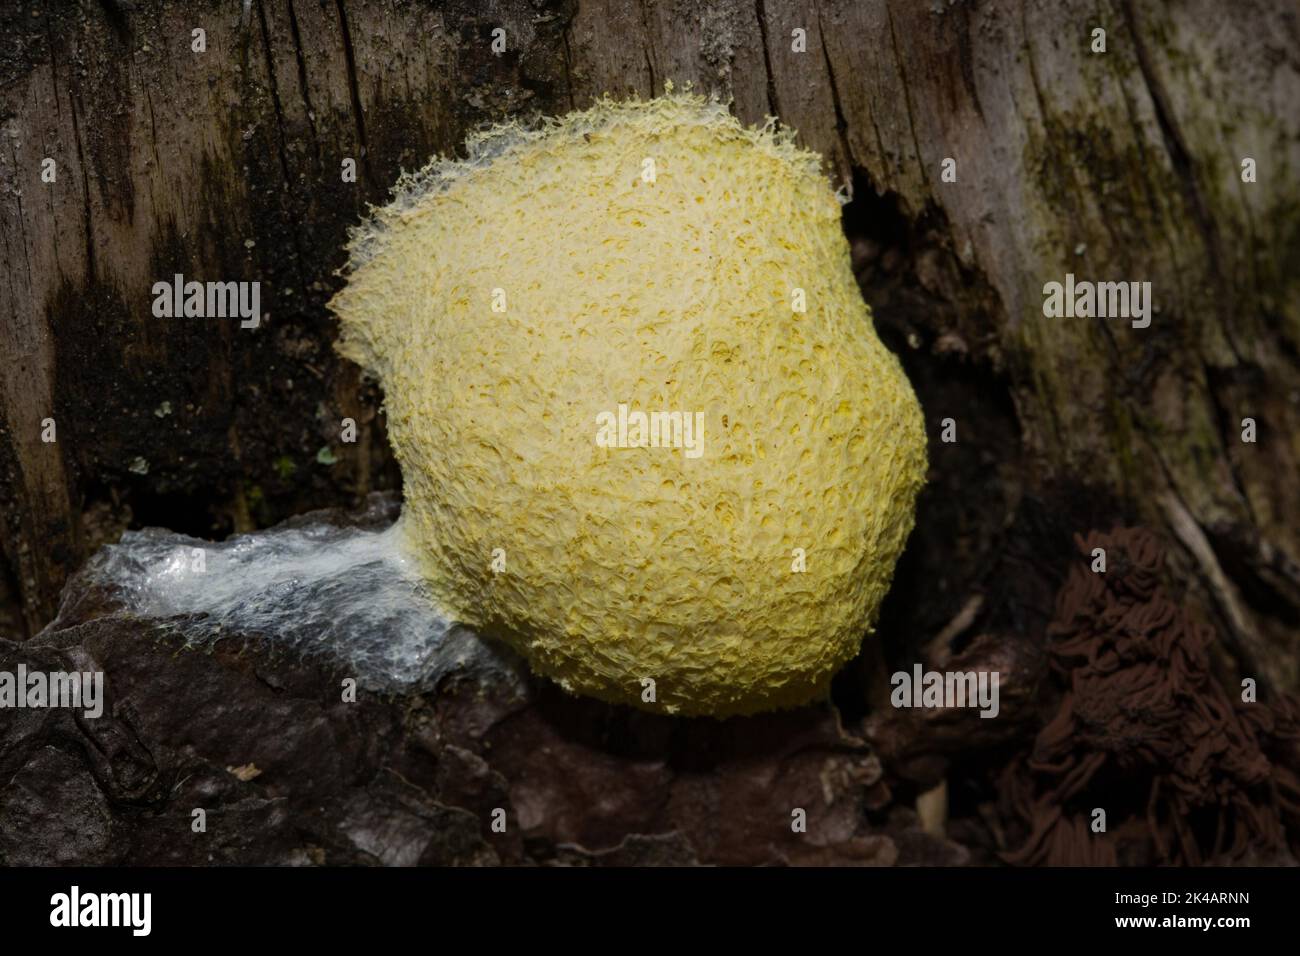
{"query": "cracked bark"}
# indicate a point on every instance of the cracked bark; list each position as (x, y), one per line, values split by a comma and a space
(1121, 166)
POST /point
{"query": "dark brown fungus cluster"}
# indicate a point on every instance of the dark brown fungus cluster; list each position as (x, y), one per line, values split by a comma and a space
(1150, 730)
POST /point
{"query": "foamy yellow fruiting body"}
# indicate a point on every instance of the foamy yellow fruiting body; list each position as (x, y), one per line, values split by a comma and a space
(665, 286)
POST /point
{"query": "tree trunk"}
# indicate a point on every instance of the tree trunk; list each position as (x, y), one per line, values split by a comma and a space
(1123, 165)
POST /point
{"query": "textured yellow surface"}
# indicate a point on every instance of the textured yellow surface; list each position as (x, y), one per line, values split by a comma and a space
(625, 564)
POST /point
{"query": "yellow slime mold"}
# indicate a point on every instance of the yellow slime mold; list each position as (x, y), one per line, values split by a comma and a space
(653, 255)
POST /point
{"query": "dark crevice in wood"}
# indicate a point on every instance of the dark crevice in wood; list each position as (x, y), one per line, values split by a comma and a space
(302, 81)
(281, 136)
(1153, 200)
(85, 186)
(841, 124)
(1184, 168)
(964, 58)
(909, 318)
(568, 67)
(22, 234)
(354, 90)
(648, 49)
(773, 105)
(153, 131)
(907, 99)
(1214, 382)
(1267, 578)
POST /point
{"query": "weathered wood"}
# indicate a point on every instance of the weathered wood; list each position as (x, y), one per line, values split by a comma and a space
(1123, 165)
